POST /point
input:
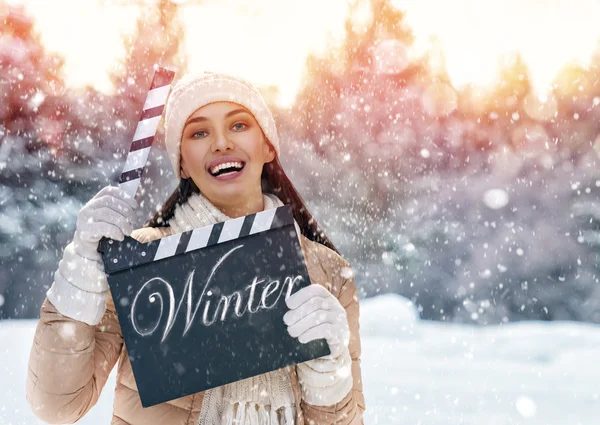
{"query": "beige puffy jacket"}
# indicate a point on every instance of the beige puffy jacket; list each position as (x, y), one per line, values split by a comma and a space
(70, 361)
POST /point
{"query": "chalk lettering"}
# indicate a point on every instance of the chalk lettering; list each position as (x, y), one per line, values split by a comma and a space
(267, 292)
(222, 309)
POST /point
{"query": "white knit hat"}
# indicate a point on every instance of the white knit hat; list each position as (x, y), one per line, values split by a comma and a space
(194, 91)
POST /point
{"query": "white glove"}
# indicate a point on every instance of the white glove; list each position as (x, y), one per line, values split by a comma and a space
(316, 314)
(80, 286)
(110, 213)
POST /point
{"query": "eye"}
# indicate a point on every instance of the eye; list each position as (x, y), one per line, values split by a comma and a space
(240, 126)
(199, 134)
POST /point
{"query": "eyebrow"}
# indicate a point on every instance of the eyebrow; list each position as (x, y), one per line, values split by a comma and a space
(202, 119)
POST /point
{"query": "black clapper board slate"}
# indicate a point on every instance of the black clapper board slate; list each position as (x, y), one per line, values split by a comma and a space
(160, 287)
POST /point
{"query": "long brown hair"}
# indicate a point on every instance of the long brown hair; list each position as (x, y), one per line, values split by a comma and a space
(275, 181)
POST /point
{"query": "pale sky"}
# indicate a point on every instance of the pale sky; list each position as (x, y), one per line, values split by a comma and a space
(267, 41)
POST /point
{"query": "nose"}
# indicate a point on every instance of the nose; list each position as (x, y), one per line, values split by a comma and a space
(221, 142)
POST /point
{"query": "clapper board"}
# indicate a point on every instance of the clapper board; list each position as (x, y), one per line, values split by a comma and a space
(204, 308)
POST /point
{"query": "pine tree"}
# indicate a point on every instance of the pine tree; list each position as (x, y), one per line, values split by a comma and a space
(58, 147)
(32, 129)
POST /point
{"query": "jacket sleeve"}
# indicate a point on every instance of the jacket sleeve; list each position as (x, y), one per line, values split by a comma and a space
(69, 363)
(349, 411)
(70, 360)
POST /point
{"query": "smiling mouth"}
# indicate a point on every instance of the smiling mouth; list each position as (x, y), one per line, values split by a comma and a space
(226, 169)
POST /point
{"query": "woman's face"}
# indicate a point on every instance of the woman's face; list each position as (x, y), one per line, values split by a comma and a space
(223, 150)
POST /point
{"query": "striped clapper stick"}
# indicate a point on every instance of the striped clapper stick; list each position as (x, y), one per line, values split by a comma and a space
(204, 308)
(141, 144)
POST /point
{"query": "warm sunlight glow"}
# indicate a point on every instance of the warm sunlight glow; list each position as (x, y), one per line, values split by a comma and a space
(267, 41)
(476, 34)
(87, 35)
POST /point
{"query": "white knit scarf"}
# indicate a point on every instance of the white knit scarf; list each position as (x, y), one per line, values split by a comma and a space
(266, 399)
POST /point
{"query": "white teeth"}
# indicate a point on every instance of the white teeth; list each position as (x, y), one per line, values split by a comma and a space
(216, 169)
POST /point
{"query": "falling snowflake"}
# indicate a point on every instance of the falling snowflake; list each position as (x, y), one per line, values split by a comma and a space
(67, 330)
(526, 406)
(495, 198)
(346, 272)
(36, 100)
(391, 57)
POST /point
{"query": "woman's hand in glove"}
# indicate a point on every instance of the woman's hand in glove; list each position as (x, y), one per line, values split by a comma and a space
(316, 314)
(110, 213)
(80, 287)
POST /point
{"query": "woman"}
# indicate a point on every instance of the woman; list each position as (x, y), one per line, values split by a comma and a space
(223, 144)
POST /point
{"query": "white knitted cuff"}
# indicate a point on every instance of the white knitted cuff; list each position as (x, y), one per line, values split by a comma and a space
(82, 272)
(325, 388)
(69, 300)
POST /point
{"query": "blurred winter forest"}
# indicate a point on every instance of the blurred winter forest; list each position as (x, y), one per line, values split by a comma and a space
(479, 205)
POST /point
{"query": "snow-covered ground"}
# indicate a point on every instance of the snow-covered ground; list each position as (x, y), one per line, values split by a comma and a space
(417, 372)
